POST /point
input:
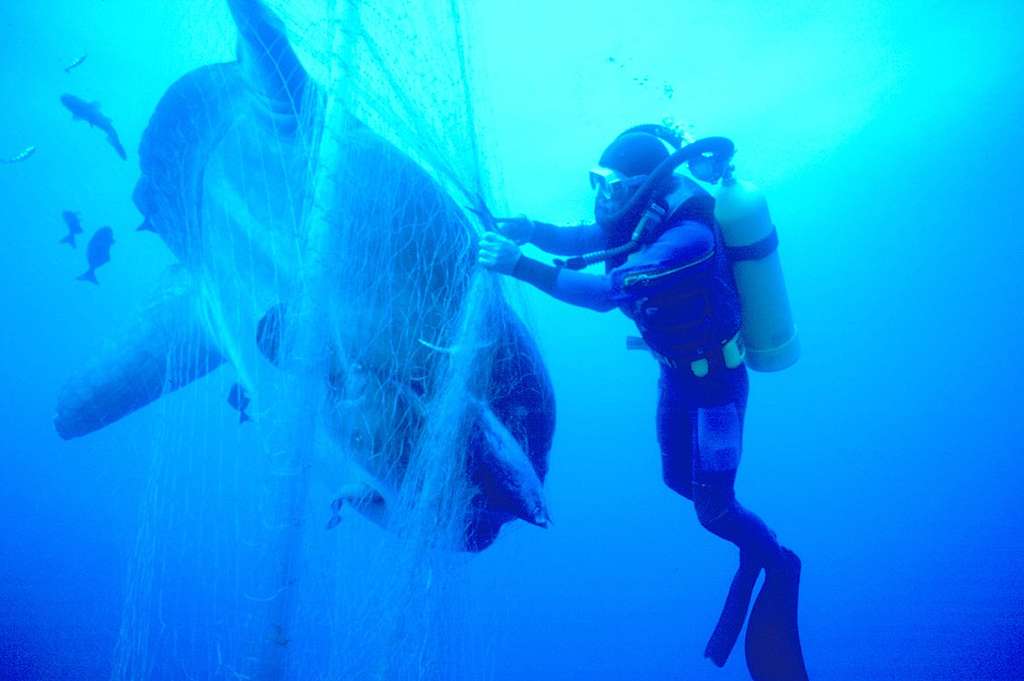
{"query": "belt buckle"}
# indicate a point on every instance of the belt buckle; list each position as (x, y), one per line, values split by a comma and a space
(733, 352)
(700, 367)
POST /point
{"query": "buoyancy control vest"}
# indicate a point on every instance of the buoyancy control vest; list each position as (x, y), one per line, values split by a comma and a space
(685, 311)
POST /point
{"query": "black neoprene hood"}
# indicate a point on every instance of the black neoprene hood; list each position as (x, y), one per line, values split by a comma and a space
(634, 153)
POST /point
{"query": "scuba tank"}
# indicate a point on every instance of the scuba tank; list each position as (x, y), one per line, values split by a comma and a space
(741, 211)
(752, 245)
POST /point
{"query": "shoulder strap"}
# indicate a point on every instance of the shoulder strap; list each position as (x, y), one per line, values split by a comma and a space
(689, 201)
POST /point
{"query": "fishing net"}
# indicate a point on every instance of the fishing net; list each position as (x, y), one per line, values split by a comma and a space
(316, 201)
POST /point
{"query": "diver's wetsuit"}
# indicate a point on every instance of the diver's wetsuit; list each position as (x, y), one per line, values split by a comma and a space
(700, 419)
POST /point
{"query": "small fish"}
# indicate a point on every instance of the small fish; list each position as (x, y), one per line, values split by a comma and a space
(97, 253)
(24, 154)
(74, 224)
(75, 64)
(90, 113)
(239, 400)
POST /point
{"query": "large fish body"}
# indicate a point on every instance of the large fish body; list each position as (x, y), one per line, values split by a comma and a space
(225, 170)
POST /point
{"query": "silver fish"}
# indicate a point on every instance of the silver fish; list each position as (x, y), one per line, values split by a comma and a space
(75, 64)
(19, 157)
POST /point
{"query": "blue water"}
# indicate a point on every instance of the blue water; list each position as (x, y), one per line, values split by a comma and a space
(888, 142)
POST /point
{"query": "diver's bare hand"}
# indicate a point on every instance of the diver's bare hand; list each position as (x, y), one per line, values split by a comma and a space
(518, 229)
(498, 254)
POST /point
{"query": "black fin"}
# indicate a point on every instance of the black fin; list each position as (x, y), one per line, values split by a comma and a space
(773, 637)
(734, 612)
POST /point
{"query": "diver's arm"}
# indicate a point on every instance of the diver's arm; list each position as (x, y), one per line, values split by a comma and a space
(686, 244)
(567, 240)
(552, 238)
(577, 288)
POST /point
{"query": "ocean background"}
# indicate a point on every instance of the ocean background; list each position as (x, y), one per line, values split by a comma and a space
(887, 137)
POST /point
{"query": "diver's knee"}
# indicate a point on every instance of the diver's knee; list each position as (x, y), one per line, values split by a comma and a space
(678, 484)
(712, 518)
(713, 505)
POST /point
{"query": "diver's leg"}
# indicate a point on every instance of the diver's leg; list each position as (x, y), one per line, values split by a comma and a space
(719, 432)
(700, 451)
(717, 451)
(677, 438)
(676, 435)
(772, 644)
(721, 514)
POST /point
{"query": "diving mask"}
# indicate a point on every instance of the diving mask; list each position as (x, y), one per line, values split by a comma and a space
(612, 185)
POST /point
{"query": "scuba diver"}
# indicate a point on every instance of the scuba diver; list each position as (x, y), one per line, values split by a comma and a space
(701, 279)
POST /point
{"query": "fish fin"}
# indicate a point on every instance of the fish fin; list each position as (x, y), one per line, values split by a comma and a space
(271, 66)
(499, 456)
(69, 240)
(148, 360)
(243, 418)
(89, 275)
(146, 226)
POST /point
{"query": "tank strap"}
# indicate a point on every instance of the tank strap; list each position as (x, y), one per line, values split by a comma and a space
(761, 248)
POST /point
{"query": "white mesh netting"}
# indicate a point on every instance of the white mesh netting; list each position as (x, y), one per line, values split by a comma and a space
(316, 201)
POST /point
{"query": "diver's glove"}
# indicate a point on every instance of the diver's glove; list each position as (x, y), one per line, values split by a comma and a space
(498, 254)
(518, 229)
